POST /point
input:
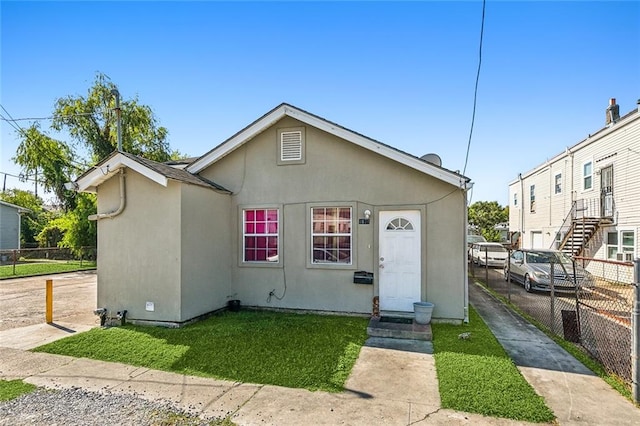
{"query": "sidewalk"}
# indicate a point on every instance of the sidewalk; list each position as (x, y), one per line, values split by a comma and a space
(386, 386)
(572, 391)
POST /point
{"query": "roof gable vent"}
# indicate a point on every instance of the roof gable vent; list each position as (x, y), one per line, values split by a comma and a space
(291, 146)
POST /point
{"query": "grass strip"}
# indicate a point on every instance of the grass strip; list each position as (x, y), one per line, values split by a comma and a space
(315, 352)
(11, 389)
(34, 269)
(476, 375)
(576, 351)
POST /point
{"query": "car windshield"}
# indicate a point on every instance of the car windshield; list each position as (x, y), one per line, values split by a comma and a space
(475, 239)
(547, 257)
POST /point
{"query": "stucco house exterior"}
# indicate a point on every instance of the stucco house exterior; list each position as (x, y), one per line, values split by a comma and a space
(586, 199)
(291, 212)
(10, 218)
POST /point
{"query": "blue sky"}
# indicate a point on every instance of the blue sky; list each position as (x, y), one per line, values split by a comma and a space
(402, 73)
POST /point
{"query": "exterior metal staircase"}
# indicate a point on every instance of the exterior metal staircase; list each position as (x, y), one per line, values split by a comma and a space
(578, 236)
(580, 225)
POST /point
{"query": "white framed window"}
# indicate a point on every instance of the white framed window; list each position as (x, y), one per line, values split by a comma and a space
(260, 235)
(331, 235)
(532, 198)
(557, 187)
(587, 176)
(621, 245)
(515, 199)
(291, 146)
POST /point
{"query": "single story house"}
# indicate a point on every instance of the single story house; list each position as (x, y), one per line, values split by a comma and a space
(10, 219)
(292, 212)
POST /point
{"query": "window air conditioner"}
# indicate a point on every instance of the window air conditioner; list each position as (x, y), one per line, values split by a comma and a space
(624, 257)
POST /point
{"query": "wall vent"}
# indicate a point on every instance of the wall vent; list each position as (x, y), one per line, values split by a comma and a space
(291, 146)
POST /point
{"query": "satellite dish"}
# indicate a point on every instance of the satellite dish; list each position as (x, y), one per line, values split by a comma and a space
(433, 159)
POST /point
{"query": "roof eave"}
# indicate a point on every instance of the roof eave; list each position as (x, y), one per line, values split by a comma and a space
(106, 169)
(283, 110)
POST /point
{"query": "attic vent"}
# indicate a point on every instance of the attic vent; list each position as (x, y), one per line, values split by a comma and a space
(291, 146)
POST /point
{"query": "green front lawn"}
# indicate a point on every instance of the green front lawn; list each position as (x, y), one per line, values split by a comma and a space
(477, 376)
(315, 352)
(10, 389)
(44, 268)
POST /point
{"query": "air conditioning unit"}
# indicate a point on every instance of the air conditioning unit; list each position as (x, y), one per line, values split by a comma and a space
(624, 257)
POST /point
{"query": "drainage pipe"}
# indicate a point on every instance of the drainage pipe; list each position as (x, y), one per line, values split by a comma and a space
(122, 202)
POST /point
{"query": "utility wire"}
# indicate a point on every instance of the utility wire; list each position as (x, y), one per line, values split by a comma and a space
(52, 117)
(475, 92)
(16, 126)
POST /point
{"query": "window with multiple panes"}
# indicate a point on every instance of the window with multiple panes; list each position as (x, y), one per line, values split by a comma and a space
(331, 235)
(587, 176)
(532, 198)
(620, 245)
(558, 184)
(515, 199)
(260, 235)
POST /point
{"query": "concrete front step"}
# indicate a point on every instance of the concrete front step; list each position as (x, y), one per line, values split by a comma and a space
(393, 330)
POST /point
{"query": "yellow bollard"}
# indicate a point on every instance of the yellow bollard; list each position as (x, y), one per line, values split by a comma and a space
(49, 313)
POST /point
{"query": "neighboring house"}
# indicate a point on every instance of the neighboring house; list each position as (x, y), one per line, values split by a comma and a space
(300, 208)
(585, 200)
(10, 218)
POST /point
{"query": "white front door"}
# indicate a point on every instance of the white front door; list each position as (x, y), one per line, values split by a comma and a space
(399, 260)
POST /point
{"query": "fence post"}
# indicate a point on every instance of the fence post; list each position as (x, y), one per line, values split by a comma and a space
(486, 266)
(509, 274)
(553, 297)
(14, 258)
(635, 347)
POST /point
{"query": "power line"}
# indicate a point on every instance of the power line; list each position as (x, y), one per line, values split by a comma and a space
(16, 126)
(475, 91)
(52, 117)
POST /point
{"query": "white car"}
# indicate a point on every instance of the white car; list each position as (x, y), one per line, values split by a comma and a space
(490, 254)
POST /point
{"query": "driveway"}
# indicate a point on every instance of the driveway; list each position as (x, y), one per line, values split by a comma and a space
(22, 300)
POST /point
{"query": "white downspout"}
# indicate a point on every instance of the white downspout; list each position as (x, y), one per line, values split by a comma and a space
(465, 262)
(122, 202)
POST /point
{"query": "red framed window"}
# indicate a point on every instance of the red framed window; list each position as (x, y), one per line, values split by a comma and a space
(260, 235)
(331, 235)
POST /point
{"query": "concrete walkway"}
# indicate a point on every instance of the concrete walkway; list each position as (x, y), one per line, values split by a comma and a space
(571, 390)
(386, 386)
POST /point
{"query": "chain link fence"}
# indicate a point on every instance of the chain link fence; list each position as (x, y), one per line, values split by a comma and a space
(594, 311)
(11, 261)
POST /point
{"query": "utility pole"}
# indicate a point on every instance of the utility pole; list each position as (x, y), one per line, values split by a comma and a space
(118, 118)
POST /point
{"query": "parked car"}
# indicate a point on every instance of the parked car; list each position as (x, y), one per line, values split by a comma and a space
(473, 238)
(490, 254)
(532, 268)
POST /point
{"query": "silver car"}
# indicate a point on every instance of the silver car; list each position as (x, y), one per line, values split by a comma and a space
(532, 268)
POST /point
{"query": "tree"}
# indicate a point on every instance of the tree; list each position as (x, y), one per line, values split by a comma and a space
(91, 121)
(39, 154)
(72, 229)
(485, 215)
(33, 221)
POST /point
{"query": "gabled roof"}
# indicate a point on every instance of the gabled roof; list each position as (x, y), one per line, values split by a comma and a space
(283, 110)
(157, 172)
(14, 206)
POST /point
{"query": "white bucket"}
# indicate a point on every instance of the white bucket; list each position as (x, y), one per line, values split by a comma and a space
(423, 311)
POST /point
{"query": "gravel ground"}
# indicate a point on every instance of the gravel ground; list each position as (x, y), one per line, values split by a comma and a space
(71, 407)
